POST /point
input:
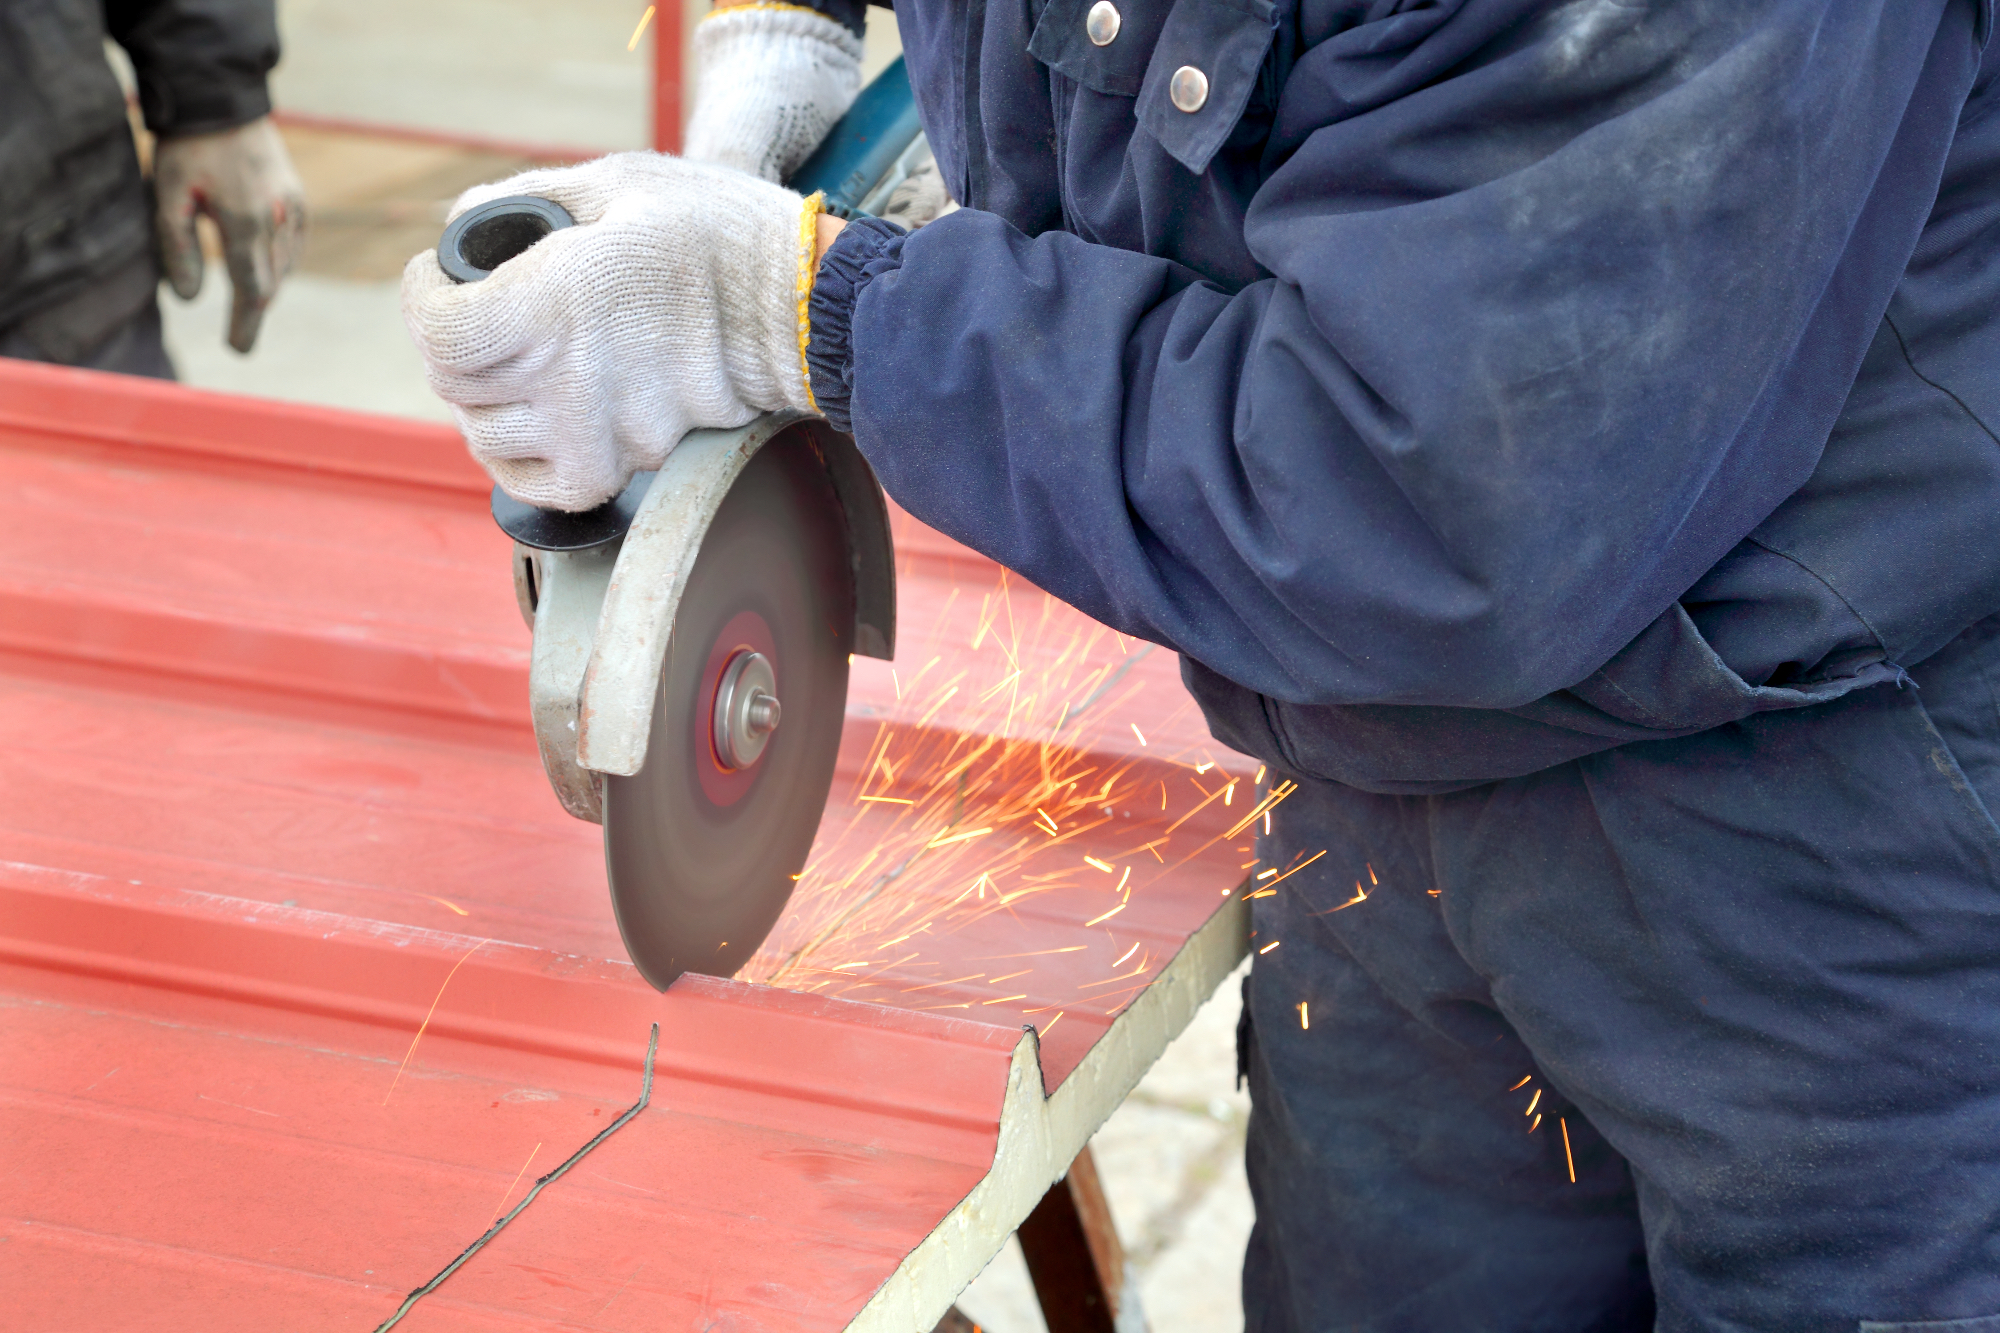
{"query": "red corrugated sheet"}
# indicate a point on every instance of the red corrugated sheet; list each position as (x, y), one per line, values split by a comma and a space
(308, 976)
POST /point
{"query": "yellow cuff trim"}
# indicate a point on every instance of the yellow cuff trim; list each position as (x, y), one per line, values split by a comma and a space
(815, 204)
(770, 5)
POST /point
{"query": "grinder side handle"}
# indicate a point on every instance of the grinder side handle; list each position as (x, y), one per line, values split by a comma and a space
(478, 241)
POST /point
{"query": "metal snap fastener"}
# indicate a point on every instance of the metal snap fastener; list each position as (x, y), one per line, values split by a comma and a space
(1101, 24)
(1188, 89)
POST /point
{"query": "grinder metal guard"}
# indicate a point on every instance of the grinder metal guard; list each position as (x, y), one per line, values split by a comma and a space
(691, 636)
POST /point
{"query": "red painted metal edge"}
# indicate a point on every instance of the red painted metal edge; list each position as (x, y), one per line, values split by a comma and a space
(94, 410)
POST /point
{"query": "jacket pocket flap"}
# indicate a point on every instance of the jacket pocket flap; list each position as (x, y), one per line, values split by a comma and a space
(1061, 41)
(1224, 42)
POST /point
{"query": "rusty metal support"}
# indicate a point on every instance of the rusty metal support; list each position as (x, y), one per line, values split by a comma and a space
(1074, 1256)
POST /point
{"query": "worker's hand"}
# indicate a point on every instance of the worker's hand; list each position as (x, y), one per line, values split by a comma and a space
(676, 302)
(243, 179)
(771, 81)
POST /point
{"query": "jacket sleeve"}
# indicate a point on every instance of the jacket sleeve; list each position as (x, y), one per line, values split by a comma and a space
(201, 64)
(853, 14)
(1557, 312)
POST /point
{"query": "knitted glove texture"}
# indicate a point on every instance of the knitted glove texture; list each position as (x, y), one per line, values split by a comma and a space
(673, 305)
(773, 79)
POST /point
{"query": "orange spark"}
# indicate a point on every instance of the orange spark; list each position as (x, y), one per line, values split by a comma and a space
(1537, 1125)
(1135, 972)
(1265, 806)
(1068, 948)
(1360, 896)
(502, 1209)
(1297, 868)
(644, 19)
(1568, 1156)
(1136, 732)
(1105, 866)
(1532, 1102)
(1305, 1020)
(942, 699)
(889, 800)
(1272, 945)
(1123, 956)
(427, 1019)
(1522, 1084)
(1190, 814)
(1107, 916)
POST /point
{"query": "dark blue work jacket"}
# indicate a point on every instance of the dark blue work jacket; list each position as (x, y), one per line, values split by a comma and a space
(1462, 387)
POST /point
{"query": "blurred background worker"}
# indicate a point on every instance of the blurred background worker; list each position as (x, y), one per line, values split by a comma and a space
(84, 236)
(1555, 434)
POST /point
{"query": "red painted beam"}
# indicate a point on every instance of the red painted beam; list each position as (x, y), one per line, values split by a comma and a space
(669, 76)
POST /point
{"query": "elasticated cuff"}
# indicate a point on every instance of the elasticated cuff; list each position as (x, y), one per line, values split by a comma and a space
(851, 14)
(191, 108)
(864, 249)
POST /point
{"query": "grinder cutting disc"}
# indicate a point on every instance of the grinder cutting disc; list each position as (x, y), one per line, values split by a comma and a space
(703, 845)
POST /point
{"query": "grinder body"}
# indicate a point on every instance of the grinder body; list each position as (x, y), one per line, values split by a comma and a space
(692, 635)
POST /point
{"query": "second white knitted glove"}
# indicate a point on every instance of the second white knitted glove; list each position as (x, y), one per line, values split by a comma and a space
(772, 80)
(675, 303)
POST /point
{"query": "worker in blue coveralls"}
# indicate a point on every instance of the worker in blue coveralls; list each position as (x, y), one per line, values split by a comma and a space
(1560, 437)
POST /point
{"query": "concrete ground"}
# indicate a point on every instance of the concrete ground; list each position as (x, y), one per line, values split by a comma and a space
(525, 72)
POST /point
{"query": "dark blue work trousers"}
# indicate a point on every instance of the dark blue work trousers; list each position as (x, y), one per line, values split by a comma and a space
(1744, 985)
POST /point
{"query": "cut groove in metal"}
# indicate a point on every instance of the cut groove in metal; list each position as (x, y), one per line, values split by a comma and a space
(645, 1096)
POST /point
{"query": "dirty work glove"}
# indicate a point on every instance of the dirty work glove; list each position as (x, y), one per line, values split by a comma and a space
(772, 79)
(676, 302)
(243, 179)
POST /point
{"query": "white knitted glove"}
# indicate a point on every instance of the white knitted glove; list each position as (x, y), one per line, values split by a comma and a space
(242, 178)
(676, 302)
(772, 79)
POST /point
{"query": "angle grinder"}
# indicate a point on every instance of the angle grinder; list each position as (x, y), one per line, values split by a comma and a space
(691, 636)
